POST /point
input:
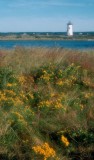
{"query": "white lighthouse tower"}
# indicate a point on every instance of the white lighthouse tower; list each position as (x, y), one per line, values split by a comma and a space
(69, 29)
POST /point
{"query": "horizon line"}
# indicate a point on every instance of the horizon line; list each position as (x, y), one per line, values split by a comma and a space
(40, 31)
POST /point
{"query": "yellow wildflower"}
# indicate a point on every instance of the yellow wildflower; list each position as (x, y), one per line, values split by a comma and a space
(44, 150)
(21, 79)
(44, 103)
(9, 85)
(65, 141)
(88, 95)
(81, 105)
(60, 83)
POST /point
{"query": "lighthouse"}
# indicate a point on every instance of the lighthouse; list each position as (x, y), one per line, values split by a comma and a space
(69, 29)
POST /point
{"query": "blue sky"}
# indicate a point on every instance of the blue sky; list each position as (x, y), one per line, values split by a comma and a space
(46, 15)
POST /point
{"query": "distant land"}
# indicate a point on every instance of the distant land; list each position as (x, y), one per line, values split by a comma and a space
(46, 35)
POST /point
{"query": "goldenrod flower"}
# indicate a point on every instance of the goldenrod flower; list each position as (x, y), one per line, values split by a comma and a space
(44, 150)
(9, 84)
(65, 141)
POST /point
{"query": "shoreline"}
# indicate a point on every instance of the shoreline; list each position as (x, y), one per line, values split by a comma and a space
(48, 39)
(44, 37)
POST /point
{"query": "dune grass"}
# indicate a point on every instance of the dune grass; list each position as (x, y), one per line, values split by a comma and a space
(46, 104)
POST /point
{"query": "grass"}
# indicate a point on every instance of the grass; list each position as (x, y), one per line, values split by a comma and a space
(46, 104)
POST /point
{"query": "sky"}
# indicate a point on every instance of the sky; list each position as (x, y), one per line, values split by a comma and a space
(46, 15)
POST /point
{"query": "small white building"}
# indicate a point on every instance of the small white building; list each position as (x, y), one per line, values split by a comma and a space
(69, 29)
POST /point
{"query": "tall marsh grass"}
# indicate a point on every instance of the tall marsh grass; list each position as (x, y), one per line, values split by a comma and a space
(24, 60)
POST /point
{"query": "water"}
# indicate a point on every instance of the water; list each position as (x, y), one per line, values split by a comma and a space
(71, 44)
